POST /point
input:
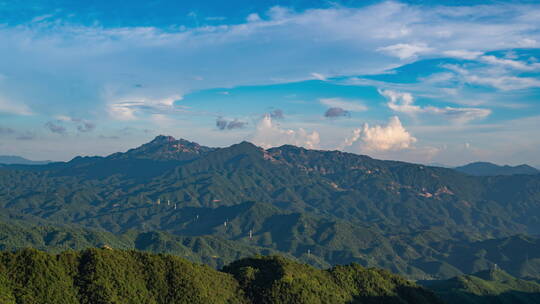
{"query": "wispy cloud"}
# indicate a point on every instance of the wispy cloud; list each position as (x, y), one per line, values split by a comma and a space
(130, 107)
(318, 76)
(14, 108)
(403, 102)
(405, 50)
(369, 32)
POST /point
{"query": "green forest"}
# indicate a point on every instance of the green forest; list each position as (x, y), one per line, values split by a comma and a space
(97, 276)
(222, 206)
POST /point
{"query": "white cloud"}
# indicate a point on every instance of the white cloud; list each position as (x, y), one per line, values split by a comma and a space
(462, 54)
(349, 105)
(459, 115)
(404, 103)
(253, 17)
(505, 83)
(400, 102)
(389, 137)
(318, 76)
(404, 50)
(123, 110)
(90, 57)
(515, 64)
(269, 134)
(41, 18)
(527, 42)
(128, 108)
(13, 108)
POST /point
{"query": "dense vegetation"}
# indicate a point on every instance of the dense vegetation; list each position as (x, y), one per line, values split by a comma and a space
(97, 276)
(322, 207)
(488, 286)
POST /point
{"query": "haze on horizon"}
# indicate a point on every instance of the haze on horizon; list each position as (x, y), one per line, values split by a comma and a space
(419, 81)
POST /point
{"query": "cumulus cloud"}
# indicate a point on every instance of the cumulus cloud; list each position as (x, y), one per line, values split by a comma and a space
(400, 102)
(389, 137)
(223, 124)
(269, 134)
(336, 112)
(348, 105)
(403, 102)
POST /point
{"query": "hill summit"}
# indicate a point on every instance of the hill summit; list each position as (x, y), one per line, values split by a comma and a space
(166, 148)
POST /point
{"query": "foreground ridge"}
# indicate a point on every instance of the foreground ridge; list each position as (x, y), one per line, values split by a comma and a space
(118, 276)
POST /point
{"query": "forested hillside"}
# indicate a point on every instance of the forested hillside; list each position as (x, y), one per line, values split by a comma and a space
(113, 276)
(321, 207)
(488, 286)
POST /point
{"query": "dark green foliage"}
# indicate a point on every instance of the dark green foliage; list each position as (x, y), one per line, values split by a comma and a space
(277, 280)
(490, 286)
(210, 250)
(102, 276)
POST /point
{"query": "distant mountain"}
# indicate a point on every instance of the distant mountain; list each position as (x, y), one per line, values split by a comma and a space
(489, 169)
(438, 165)
(485, 287)
(11, 159)
(165, 148)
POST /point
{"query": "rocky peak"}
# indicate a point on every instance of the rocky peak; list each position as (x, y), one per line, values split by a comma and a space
(167, 148)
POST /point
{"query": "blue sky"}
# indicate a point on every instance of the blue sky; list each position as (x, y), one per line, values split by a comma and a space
(424, 81)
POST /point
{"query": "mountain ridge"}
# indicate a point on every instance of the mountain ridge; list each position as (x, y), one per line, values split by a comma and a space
(490, 169)
(18, 160)
(340, 207)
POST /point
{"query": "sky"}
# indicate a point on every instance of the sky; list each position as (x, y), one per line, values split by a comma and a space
(434, 82)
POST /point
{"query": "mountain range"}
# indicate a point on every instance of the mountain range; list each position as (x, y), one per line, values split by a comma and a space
(215, 205)
(11, 159)
(489, 169)
(487, 286)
